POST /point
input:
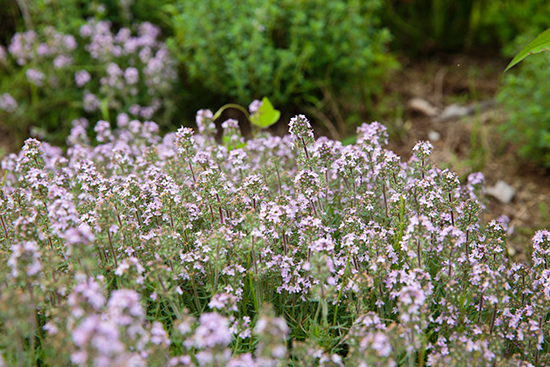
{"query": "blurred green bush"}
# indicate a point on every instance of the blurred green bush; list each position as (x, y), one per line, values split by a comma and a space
(288, 50)
(525, 95)
(502, 21)
(422, 27)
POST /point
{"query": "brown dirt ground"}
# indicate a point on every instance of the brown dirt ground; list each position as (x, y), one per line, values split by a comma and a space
(472, 143)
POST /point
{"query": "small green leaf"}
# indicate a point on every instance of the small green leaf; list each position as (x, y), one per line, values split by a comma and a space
(538, 45)
(266, 115)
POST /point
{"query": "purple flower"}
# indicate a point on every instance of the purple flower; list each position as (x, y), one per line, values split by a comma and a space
(61, 61)
(91, 102)
(134, 109)
(122, 120)
(35, 77)
(213, 330)
(8, 103)
(81, 78)
(131, 75)
(254, 106)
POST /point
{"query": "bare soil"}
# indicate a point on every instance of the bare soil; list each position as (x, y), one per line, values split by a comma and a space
(472, 143)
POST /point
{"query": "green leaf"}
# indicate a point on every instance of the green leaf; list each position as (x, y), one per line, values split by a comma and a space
(538, 45)
(266, 115)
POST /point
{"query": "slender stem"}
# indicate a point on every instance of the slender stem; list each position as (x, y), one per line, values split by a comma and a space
(220, 209)
(112, 248)
(8, 242)
(284, 241)
(313, 206)
(493, 320)
(452, 214)
(305, 148)
(418, 252)
(33, 322)
(326, 190)
(422, 165)
(480, 306)
(192, 172)
(170, 301)
(254, 258)
(385, 200)
(341, 291)
(196, 293)
(278, 178)
(138, 216)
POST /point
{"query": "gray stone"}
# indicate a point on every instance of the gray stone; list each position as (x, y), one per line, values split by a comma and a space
(434, 135)
(453, 111)
(422, 106)
(502, 191)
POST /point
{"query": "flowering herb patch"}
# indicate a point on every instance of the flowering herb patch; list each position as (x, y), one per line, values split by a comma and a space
(52, 77)
(177, 251)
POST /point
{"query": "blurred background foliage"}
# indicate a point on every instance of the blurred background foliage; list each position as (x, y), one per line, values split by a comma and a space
(327, 58)
(424, 27)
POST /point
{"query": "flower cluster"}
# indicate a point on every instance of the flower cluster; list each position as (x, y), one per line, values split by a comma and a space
(95, 73)
(180, 251)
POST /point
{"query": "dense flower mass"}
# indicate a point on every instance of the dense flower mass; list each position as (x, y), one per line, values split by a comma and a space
(179, 251)
(99, 72)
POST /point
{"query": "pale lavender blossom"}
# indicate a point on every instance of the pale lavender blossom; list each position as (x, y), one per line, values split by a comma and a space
(61, 61)
(131, 75)
(8, 103)
(81, 78)
(35, 77)
(213, 330)
(254, 106)
(122, 120)
(91, 102)
(134, 109)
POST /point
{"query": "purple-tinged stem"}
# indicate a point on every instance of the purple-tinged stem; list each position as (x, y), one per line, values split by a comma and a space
(8, 242)
(305, 149)
(284, 242)
(112, 248)
(192, 172)
(418, 252)
(385, 199)
(493, 320)
(220, 209)
(326, 191)
(452, 214)
(313, 206)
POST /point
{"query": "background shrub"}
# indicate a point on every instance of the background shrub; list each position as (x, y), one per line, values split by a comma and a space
(427, 26)
(424, 25)
(289, 50)
(526, 96)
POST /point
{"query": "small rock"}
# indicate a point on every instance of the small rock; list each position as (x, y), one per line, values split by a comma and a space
(434, 135)
(502, 191)
(453, 111)
(422, 106)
